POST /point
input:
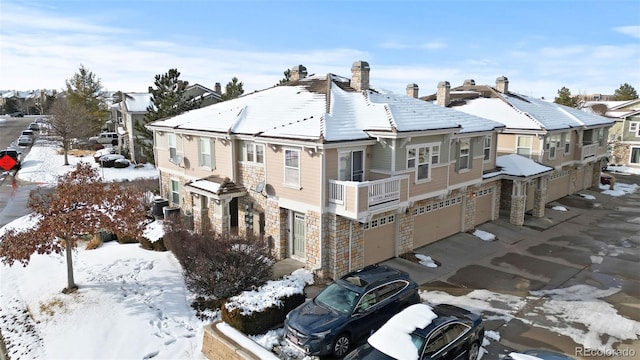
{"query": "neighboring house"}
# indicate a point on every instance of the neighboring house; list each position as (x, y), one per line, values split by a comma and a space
(570, 142)
(134, 108)
(29, 102)
(624, 136)
(333, 173)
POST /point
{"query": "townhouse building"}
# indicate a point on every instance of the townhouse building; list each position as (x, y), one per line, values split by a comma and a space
(333, 172)
(569, 144)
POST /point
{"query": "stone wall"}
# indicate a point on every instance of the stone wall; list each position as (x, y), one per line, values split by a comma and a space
(313, 223)
(218, 346)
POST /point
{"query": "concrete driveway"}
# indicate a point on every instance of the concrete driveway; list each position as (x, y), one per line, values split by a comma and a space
(593, 246)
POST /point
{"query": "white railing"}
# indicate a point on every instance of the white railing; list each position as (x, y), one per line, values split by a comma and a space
(383, 191)
(378, 191)
(336, 191)
(589, 150)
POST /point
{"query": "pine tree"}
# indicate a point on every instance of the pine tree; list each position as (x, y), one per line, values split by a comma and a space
(84, 90)
(625, 92)
(564, 98)
(287, 77)
(168, 99)
(233, 89)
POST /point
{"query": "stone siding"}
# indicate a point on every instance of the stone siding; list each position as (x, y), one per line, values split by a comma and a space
(218, 346)
(313, 223)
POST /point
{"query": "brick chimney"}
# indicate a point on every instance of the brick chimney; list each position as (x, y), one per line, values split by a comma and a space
(443, 95)
(502, 84)
(469, 82)
(360, 75)
(412, 90)
(218, 89)
(298, 72)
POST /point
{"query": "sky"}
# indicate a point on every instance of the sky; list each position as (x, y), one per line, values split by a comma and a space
(588, 46)
(123, 283)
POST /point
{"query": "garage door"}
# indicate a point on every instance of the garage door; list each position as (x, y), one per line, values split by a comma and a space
(558, 185)
(379, 239)
(436, 221)
(484, 206)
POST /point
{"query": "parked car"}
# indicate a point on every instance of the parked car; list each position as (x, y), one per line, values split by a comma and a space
(25, 140)
(106, 138)
(17, 114)
(439, 332)
(28, 133)
(349, 309)
(5, 159)
(102, 152)
(34, 126)
(109, 160)
(537, 354)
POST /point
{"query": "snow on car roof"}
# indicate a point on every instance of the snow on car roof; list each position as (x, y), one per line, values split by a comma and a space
(394, 337)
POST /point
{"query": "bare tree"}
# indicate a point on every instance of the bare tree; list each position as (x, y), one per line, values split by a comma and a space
(80, 204)
(67, 123)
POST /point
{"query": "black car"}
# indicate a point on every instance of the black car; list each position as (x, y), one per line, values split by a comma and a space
(349, 310)
(438, 332)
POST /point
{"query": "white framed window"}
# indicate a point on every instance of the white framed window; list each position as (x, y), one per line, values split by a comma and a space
(351, 165)
(206, 157)
(252, 152)
(566, 139)
(487, 148)
(421, 158)
(292, 167)
(524, 145)
(175, 192)
(173, 147)
(553, 143)
(633, 126)
(463, 156)
(634, 157)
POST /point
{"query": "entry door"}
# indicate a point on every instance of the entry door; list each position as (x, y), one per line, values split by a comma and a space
(351, 165)
(298, 235)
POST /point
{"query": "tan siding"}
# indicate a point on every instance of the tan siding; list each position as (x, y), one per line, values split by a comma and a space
(224, 159)
(438, 182)
(475, 173)
(310, 175)
(506, 144)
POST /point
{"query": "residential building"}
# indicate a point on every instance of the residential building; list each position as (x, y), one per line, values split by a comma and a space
(570, 142)
(333, 172)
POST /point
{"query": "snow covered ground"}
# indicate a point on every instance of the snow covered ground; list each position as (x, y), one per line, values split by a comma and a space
(133, 304)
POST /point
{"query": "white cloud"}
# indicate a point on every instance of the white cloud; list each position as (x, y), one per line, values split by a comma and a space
(633, 31)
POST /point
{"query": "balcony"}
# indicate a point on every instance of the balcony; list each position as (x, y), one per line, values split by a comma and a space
(356, 199)
(589, 151)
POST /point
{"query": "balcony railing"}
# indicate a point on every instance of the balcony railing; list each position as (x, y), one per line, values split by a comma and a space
(352, 198)
(590, 150)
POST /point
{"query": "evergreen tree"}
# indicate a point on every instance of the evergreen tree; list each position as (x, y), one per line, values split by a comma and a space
(287, 77)
(168, 99)
(625, 92)
(233, 89)
(564, 98)
(84, 91)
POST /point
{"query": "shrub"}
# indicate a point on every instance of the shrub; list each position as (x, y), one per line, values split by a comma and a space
(259, 322)
(94, 243)
(219, 266)
(157, 245)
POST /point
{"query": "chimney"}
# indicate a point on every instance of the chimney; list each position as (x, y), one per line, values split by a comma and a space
(218, 89)
(443, 95)
(469, 82)
(412, 90)
(298, 72)
(502, 84)
(360, 75)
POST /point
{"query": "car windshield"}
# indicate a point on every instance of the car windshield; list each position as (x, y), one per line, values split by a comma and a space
(337, 298)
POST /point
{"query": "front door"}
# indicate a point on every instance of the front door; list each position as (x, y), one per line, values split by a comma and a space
(298, 235)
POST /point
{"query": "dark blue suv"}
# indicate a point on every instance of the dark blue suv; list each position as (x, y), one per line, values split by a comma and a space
(349, 310)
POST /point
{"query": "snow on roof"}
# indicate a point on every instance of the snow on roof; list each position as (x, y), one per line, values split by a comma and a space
(394, 337)
(517, 165)
(497, 110)
(300, 111)
(138, 102)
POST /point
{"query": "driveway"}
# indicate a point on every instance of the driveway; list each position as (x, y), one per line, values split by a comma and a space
(568, 282)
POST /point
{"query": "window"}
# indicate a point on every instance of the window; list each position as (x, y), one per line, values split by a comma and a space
(487, 148)
(435, 344)
(635, 155)
(292, 167)
(463, 158)
(175, 192)
(523, 146)
(252, 152)
(633, 127)
(173, 149)
(601, 136)
(566, 138)
(206, 150)
(553, 142)
(421, 157)
(351, 165)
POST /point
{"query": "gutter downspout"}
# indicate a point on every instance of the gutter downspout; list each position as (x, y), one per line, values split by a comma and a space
(323, 182)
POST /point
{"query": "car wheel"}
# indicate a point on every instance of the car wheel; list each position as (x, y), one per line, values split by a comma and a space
(341, 345)
(474, 351)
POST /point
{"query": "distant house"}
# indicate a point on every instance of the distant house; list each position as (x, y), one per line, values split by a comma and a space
(134, 108)
(569, 142)
(624, 136)
(333, 172)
